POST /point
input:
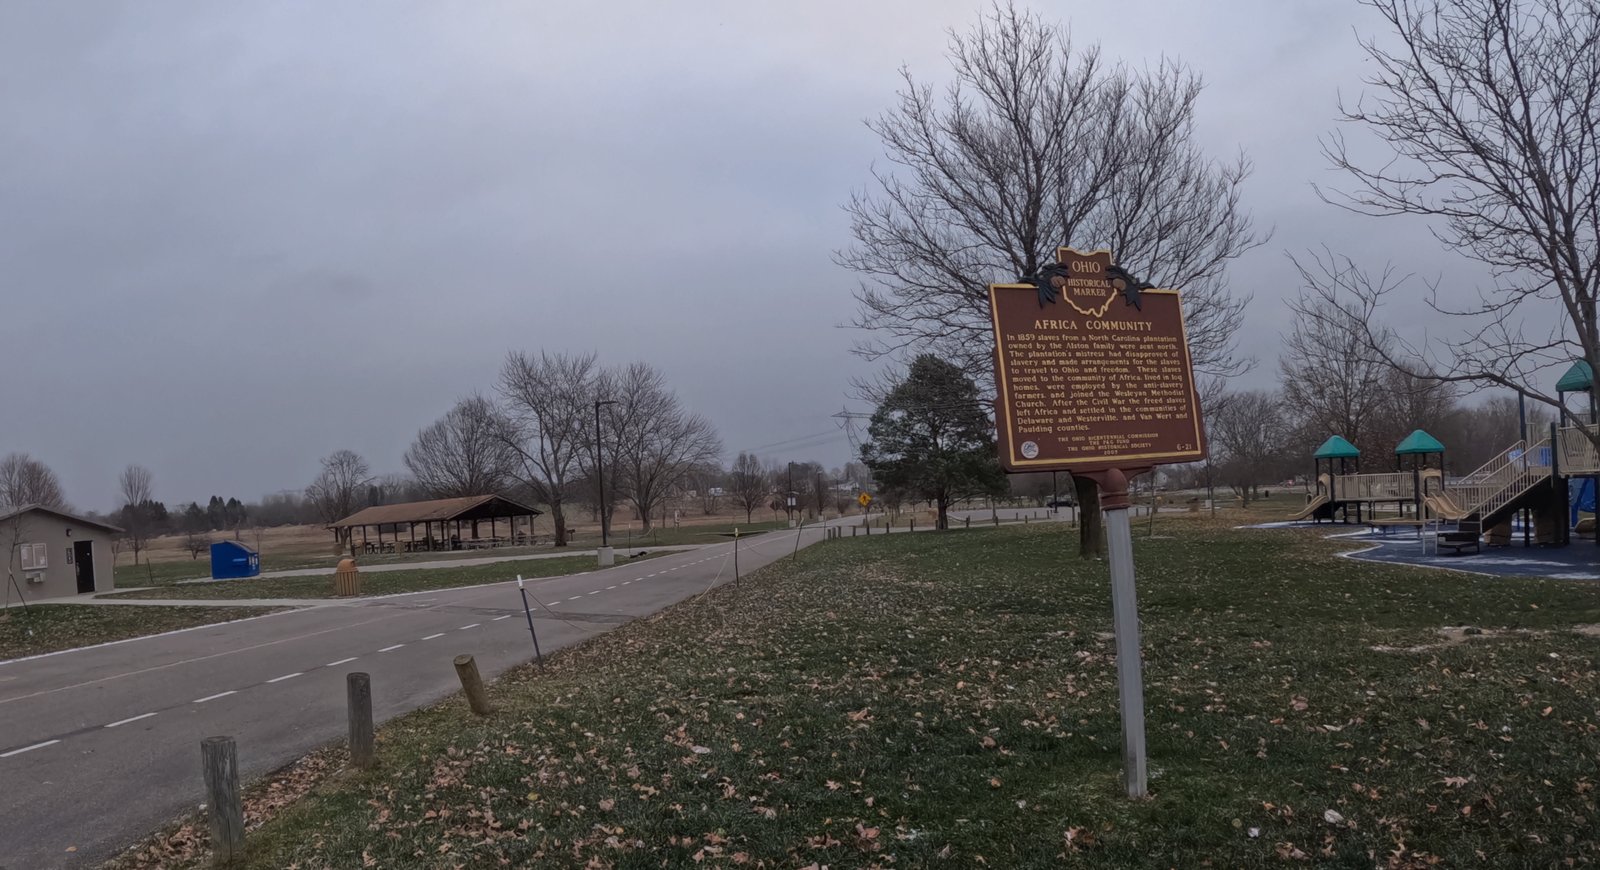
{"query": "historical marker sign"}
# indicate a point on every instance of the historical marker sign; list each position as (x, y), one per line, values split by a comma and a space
(1094, 378)
(1090, 376)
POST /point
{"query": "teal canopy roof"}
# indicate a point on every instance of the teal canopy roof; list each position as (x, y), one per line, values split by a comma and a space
(1577, 379)
(1336, 448)
(1418, 442)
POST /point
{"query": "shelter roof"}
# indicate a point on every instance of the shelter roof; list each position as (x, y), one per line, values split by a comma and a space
(59, 514)
(472, 507)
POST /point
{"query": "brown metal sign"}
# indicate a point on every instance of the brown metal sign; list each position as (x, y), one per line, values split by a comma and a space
(1092, 374)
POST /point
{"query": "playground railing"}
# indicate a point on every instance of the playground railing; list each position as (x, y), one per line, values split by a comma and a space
(1476, 488)
(1502, 479)
(1491, 469)
(1577, 450)
(1391, 486)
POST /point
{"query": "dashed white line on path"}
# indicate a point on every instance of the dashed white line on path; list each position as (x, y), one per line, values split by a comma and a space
(28, 748)
(130, 719)
(498, 618)
(285, 677)
(596, 592)
(611, 587)
(390, 648)
(341, 662)
(432, 636)
(216, 696)
(465, 627)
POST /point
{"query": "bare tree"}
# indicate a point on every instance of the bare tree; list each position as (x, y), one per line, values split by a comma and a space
(463, 453)
(27, 481)
(1491, 109)
(135, 485)
(1409, 403)
(196, 543)
(1038, 145)
(548, 403)
(749, 483)
(1251, 432)
(1328, 376)
(708, 479)
(655, 441)
(336, 491)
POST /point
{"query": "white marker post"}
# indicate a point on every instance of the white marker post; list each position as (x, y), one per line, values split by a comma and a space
(529, 614)
(1114, 502)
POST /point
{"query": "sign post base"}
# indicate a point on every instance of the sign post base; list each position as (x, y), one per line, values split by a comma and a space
(1114, 502)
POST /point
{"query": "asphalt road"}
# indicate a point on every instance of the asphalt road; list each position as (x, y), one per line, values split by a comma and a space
(100, 746)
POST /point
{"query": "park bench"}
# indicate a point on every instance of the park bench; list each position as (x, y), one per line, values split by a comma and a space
(1467, 533)
(1383, 526)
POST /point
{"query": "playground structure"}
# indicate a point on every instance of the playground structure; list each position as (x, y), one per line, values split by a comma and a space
(1522, 477)
(1534, 478)
(1341, 488)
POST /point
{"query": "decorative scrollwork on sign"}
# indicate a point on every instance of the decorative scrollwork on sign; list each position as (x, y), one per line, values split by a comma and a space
(1052, 279)
(1047, 281)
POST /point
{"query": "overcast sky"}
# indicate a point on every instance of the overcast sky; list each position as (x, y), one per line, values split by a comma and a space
(238, 236)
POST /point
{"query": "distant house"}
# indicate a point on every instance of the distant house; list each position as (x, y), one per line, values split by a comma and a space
(55, 554)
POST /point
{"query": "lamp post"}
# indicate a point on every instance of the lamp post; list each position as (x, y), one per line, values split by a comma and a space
(606, 556)
(789, 497)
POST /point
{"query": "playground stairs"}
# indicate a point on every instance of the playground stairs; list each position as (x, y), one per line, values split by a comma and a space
(1494, 491)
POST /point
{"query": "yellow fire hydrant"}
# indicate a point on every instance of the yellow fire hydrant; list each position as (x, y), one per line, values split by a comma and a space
(346, 580)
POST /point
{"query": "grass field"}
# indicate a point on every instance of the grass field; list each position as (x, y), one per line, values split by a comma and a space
(949, 700)
(372, 583)
(46, 628)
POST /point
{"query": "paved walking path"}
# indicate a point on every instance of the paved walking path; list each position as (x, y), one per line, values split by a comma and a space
(451, 563)
(100, 745)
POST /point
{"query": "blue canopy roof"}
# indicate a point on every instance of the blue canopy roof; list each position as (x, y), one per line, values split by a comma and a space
(1577, 379)
(1418, 442)
(1336, 448)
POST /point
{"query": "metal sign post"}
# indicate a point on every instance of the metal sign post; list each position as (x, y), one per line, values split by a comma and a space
(1114, 501)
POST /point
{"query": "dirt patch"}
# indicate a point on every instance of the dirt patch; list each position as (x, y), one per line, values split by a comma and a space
(1451, 635)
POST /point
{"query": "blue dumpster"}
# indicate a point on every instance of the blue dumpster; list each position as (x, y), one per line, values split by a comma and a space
(231, 560)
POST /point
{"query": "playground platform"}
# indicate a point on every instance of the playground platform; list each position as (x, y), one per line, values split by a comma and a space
(1578, 562)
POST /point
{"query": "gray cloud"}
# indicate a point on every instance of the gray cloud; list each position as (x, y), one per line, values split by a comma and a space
(236, 237)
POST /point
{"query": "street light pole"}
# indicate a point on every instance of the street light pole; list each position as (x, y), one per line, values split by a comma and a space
(788, 498)
(600, 475)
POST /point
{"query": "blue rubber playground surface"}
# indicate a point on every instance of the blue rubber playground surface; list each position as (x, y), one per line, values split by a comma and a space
(1578, 561)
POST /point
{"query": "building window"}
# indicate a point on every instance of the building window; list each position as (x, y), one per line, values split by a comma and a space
(35, 557)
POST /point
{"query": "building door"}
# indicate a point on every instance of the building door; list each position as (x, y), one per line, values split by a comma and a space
(83, 558)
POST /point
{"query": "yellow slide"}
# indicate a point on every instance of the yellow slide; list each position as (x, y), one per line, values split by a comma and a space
(1445, 508)
(1311, 507)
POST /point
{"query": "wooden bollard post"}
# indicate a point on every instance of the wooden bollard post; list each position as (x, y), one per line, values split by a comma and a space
(358, 688)
(219, 762)
(472, 684)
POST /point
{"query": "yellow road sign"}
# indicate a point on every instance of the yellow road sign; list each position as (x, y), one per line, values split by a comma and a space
(865, 499)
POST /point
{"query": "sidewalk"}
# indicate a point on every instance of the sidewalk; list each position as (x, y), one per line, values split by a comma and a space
(447, 563)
